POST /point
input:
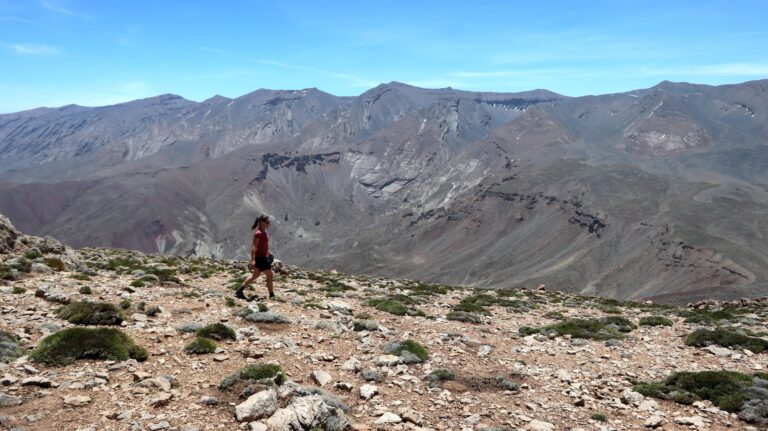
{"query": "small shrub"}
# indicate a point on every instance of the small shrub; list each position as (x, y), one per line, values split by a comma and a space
(726, 337)
(80, 276)
(85, 290)
(217, 331)
(600, 417)
(706, 316)
(18, 290)
(6, 273)
(365, 325)
(22, 265)
(394, 306)
(554, 315)
(125, 304)
(576, 328)
(200, 345)
(411, 346)
(91, 313)
(728, 390)
(55, 263)
(138, 283)
(312, 306)
(463, 316)
(655, 321)
(259, 373)
(262, 307)
(364, 316)
(33, 254)
(440, 375)
(621, 324)
(230, 301)
(71, 344)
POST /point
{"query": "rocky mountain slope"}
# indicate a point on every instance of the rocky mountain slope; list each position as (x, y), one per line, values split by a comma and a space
(106, 339)
(657, 193)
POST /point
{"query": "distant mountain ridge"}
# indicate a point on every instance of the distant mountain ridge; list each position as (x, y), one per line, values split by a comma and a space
(657, 193)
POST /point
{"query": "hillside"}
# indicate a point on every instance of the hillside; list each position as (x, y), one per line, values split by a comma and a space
(349, 348)
(657, 193)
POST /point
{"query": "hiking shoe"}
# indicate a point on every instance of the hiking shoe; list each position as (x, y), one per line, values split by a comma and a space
(239, 294)
(271, 295)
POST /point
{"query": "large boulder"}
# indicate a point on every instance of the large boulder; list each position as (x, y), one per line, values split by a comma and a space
(8, 235)
(257, 406)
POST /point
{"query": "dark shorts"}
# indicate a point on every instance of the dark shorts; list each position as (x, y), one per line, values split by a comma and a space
(262, 264)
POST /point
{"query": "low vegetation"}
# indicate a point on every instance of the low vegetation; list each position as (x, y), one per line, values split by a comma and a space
(217, 331)
(399, 305)
(91, 313)
(268, 374)
(440, 375)
(408, 350)
(201, 345)
(655, 321)
(726, 337)
(729, 390)
(580, 328)
(71, 344)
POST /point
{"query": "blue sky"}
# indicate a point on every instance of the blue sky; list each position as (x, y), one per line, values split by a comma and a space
(57, 52)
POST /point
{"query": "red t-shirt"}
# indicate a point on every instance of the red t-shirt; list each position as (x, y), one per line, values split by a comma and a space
(261, 240)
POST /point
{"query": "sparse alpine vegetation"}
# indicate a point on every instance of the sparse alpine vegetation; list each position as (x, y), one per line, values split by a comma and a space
(731, 391)
(602, 329)
(217, 331)
(9, 347)
(71, 344)
(266, 374)
(91, 313)
(409, 351)
(399, 305)
(726, 337)
(201, 345)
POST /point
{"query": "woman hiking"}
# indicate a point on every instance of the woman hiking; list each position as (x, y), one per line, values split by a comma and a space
(261, 258)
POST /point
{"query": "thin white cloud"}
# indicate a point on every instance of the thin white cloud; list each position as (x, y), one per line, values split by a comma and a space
(55, 7)
(35, 49)
(17, 19)
(352, 80)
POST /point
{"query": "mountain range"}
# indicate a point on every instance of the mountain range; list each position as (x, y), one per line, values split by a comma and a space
(659, 193)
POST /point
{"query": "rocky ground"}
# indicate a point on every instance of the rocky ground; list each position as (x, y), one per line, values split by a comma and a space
(331, 335)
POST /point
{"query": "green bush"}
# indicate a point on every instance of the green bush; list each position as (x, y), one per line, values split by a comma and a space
(262, 307)
(576, 328)
(463, 316)
(55, 263)
(259, 373)
(91, 313)
(71, 344)
(138, 283)
(125, 304)
(18, 290)
(394, 305)
(22, 265)
(619, 323)
(230, 301)
(217, 331)
(726, 337)
(706, 316)
(655, 321)
(600, 417)
(728, 390)
(6, 273)
(85, 290)
(201, 345)
(33, 254)
(440, 375)
(407, 346)
(80, 276)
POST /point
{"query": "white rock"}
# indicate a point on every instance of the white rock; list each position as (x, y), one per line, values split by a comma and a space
(718, 351)
(654, 421)
(537, 425)
(692, 420)
(321, 377)
(138, 317)
(388, 418)
(388, 360)
(257, 426)
(303, 413)
(77, 401)
(484, 350)
(631, 397)
(352, 364)
(257, 406)
(648, 405)
(368, 391)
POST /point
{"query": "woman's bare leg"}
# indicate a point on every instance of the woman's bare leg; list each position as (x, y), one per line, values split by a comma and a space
(268, 274)
(254, 275)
